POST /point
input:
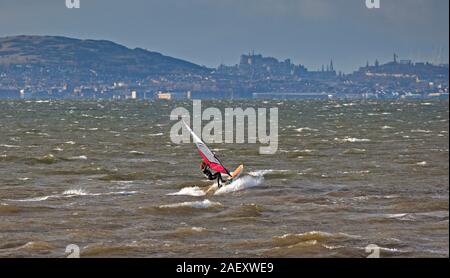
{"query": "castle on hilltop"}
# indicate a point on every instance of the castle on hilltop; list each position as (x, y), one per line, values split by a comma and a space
(256, 66)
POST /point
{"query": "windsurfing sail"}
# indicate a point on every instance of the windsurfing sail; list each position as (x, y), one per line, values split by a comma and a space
(208, 156)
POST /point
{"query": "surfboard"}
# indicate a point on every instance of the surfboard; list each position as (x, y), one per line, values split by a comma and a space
(236, 173)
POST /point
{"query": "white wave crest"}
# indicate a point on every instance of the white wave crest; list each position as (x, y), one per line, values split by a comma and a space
(351, 140)
(71, 193)
(77, 192)
(136, 152)
(9, 146)
(81, 157)
(189, 191)
(197, 204)
(36, 199)
(240, 184)
(261, 173)
(302, 129)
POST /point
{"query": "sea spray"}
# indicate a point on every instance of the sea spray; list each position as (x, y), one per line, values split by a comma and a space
(240, 184)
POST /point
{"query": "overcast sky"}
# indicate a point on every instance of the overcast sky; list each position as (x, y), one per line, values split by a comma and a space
(210, 32)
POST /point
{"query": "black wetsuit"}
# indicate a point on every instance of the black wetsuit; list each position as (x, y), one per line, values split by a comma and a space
(211, 176)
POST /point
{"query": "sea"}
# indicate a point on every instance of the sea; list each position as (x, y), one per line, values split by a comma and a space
(350, 178)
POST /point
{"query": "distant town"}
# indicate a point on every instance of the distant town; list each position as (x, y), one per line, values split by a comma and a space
(254, 77)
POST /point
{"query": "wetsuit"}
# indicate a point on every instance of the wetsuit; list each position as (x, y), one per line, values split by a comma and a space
(211, 176)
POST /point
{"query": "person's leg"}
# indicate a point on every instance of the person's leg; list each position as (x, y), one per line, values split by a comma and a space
(211, 176)
(219, 179)
(217, 176)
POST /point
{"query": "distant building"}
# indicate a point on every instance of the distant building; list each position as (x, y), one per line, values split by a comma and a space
(256, 66)
(324, 73)
(173, 95)
(164, 95)
(133, 95)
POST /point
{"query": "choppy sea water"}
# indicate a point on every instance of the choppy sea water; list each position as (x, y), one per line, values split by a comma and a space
(105, 176)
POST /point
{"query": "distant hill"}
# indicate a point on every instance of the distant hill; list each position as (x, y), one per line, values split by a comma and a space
(75, 56)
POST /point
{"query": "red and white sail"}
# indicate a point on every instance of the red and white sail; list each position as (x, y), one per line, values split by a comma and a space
(208, 156)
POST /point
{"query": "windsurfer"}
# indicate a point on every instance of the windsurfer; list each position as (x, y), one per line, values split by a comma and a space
(209, 175)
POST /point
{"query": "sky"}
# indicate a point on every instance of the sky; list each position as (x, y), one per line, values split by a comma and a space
(211, 32)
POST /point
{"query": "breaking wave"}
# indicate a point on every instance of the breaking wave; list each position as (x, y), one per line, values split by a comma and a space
(75, 192)
(290, 239)
(253, 179)
(189, 191)
(302, 129)
(136, 152)
(240, 184)
(9, 146)
(81, 157)
(351, 140)
(71, 193)
(196, 204)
